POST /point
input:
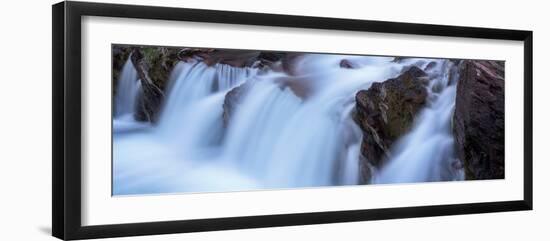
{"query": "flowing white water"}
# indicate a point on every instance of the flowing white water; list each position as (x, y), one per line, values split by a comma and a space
(351, 139)
(127, 91)
(287, 131)
(426, 153)
(194, 81)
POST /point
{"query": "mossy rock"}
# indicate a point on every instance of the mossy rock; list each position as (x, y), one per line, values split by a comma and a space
(386, 111)
(160, 62)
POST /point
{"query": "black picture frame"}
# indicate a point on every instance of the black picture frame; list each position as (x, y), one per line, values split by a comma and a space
(67, 136)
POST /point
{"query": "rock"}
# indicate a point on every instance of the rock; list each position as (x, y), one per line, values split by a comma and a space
(232, 99)
(430, 66)
(234, 57)
(290, 63)
(399, 59)
(270, 60)
(347, 64)
(478, 121)
(151, 97)
(365, 170)
(386, 111)
(187, 53)
(270, 56)
(301, 86)
(159, 62)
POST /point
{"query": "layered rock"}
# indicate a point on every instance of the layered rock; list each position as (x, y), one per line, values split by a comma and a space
(478, 122)
(386, 111)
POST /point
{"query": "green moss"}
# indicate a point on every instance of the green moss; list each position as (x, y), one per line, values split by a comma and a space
(150, 54)
(160, 61)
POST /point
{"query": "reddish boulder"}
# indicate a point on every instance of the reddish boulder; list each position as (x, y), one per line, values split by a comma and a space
(478, 121)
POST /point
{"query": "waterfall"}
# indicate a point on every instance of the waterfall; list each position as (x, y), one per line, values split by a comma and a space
(127, 91)
(253, 130)
(286, 141)
(191, 83)
(351, 143)
(288, 130)
(426, 153)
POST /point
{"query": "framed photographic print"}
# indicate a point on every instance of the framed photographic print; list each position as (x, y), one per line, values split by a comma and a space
(169, 120)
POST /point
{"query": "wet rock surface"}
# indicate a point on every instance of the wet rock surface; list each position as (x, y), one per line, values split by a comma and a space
(386, 111)
(478, 122)
(151, 96)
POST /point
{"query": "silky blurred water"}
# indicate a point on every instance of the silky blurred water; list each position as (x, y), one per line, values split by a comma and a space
(287, 132)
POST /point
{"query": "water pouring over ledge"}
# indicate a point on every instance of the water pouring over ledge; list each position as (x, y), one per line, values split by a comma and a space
(286, 132)
(127, 91)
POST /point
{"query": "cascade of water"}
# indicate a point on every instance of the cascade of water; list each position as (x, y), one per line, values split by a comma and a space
(292, 133)
(288, 142)
(125, 101)
(426, 153)
(253, 130)
(126, 92)
(188, 133)
(351, 143)
(193, 81)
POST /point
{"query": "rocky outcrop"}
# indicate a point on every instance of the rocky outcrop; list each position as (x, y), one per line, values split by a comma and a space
(232, 99)
(386, 110)
(348, 64)
(151, 96)
(478, 122)
(159, 62)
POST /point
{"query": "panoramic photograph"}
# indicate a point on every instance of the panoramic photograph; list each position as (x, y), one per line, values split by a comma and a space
(194, 120)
